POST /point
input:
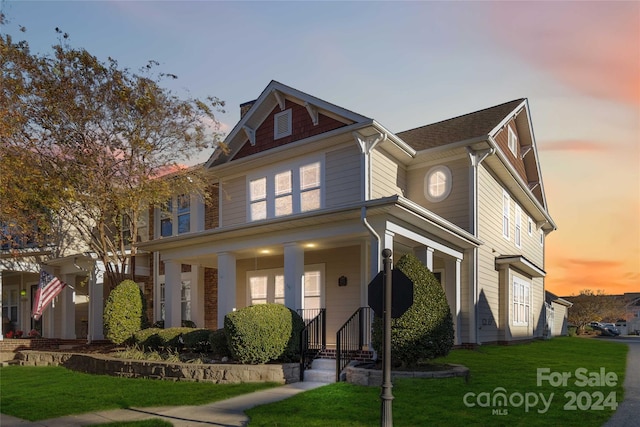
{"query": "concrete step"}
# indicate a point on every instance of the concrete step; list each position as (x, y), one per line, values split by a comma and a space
(320, 376)
(324, 364)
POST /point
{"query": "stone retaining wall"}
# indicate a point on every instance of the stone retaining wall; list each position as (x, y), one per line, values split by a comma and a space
(373, 377)
(216, 373)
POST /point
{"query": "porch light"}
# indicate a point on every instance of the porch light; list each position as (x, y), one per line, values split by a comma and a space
(23, 292)
(342, 281)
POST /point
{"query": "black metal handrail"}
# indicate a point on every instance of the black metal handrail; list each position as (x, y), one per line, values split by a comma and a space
(313, 338)
(352, 337)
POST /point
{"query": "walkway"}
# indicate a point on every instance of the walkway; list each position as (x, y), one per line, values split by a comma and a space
(628, 412)
(225, 413)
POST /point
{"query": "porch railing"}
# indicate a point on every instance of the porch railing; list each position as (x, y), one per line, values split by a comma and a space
(313, 338)
(352, 337)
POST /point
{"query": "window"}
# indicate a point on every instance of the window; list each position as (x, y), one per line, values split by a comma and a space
(176, 210)
(521, 301)
(185, 299)
(267, 286)
(143, 229)
(282, 124)
(530, 226)
(285, 192)
(506, 202)
(513, 141)
(518, 227)
(437, 183)
(310, 187)
(541, 237)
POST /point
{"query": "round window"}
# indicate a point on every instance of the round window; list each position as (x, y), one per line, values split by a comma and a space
(437, 183)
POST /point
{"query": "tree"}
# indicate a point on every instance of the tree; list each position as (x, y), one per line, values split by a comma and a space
(425, 330)
(589, 306)
(95, 139)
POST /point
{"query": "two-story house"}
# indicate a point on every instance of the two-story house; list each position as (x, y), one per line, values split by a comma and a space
(309, 193)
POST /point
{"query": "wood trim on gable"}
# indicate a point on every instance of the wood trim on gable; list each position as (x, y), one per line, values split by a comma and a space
(301, 127)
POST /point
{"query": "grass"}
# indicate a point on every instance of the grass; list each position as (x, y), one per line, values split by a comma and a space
(441, 402)
(43, 392)
(36, 393)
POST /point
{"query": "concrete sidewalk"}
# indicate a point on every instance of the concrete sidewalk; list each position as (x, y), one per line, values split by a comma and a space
(227, 413)
(628, 412)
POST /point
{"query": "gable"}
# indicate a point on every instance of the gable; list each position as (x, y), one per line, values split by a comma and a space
(302, 127)
(524, 161)
(253, 134)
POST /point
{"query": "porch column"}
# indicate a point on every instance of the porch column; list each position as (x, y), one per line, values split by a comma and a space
(226, 285)
(68, 308)
(172, 294)
(425, 255)
(96, 303)
(452, 290)
(293, 276)
(197, 295)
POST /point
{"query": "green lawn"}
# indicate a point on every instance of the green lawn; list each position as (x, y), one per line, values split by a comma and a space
(38, 393)
(441, 402)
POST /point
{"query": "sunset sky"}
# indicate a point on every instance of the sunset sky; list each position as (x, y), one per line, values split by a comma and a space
(410, 64)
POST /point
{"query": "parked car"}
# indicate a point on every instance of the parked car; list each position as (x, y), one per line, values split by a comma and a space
(609, 329)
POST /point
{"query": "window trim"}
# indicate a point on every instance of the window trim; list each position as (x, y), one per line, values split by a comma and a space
(517, 234)
(512, 141)
(525, 303)
(272, 273)
(276, 119)
(447, 183)
(506, 215)
(296, 188)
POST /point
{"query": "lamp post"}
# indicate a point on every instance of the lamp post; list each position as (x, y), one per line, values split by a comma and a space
(386, 397)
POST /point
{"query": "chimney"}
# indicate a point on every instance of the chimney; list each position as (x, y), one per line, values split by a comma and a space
(245, 107)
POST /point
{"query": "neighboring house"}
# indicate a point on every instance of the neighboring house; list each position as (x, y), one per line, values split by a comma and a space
(557, 315)
(76, 313)
(309, 193)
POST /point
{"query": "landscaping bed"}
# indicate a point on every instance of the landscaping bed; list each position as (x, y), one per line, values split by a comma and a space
(100, 361)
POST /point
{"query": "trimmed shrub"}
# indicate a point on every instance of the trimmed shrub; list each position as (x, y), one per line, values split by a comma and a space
(123, 312)
(175, 339)
(261, 333)
(425, 330)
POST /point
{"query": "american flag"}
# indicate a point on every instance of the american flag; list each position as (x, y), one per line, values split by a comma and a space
(49, 287)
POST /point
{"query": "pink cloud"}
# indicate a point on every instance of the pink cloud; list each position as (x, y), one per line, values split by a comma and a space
(593, 47)
(572, 145)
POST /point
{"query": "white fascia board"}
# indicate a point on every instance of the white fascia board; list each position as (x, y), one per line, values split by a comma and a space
(508, 117)
(403, 146)
(525, 186)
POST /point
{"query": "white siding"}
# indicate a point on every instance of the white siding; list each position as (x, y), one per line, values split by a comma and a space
(233, 202)
(495, 245)
(342, 176)
(387, 177)
(455, 208)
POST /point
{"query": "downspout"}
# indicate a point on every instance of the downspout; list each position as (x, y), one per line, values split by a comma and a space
(363, 217)
(476, 157)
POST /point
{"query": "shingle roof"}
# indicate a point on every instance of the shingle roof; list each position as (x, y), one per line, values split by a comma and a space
(460, 128)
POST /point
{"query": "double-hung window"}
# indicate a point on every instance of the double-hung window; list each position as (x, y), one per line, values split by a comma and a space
(267, 286)
(286, 191)
(176, 210)
(518, 226)
(506, 212)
